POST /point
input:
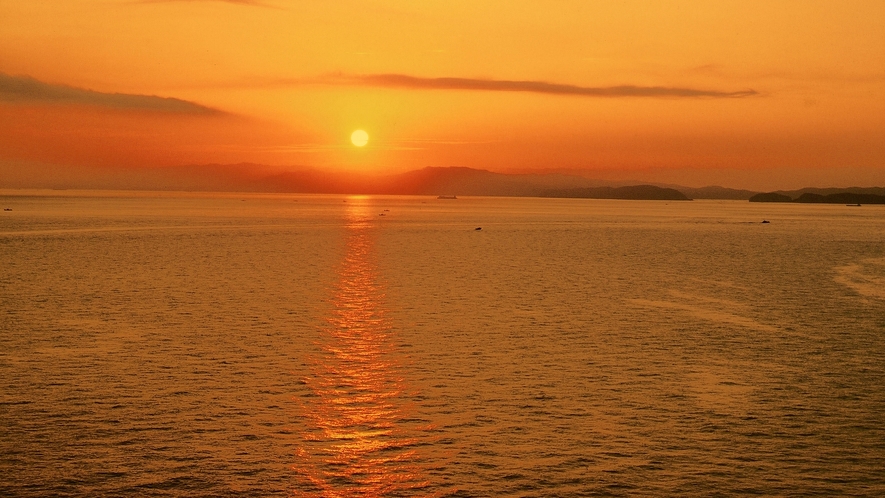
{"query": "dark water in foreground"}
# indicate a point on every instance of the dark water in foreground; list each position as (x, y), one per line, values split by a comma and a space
(200, 345)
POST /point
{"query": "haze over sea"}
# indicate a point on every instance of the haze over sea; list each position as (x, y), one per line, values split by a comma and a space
(173, 344)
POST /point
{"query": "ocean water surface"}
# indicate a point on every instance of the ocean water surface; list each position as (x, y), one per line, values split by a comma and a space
(184, 344)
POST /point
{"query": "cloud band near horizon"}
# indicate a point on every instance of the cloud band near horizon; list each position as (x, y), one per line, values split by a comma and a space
(491, 85)
(25, 89)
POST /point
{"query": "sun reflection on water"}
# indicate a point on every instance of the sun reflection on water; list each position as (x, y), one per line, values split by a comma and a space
(357, 443)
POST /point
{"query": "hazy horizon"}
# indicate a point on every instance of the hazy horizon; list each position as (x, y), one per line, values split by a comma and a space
(249, 177)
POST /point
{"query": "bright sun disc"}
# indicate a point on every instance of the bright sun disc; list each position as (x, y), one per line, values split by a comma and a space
(359, 138)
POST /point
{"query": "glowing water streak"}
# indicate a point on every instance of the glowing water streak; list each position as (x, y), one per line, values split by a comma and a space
(357, 444)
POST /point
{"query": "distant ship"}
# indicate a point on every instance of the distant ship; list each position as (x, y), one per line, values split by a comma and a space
(447, 197)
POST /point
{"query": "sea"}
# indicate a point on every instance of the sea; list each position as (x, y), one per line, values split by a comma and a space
(200, 344)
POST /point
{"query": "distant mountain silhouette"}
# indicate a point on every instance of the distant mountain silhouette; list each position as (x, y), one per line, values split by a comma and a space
(470, 181)
(832, 196)
(636, 192)
(833, 190)
(247, 177)
(842, 198)
(771, 197)
(426, 181)
(714, 192)
(461, 181)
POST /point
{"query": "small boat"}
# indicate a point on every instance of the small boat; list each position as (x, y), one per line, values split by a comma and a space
(7, 209)
(854, 205)
(765, 221)
(447, 197)
(478, 228)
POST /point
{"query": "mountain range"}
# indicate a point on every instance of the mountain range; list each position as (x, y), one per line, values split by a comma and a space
(427, 181)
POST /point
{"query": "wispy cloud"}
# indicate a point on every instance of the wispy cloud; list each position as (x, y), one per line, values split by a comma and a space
(29, 90)
(491, 85)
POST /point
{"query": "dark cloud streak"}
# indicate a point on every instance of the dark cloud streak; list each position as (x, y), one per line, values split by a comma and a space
(25, 89)
(418, 83)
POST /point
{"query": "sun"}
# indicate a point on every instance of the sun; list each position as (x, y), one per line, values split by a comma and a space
(359, 138)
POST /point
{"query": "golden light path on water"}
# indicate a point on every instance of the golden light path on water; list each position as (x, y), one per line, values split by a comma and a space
(357, 443)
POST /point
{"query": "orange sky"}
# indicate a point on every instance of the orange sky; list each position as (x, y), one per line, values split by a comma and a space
(760, 95)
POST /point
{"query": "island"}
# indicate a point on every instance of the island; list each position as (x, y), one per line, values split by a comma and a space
(848, 198)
